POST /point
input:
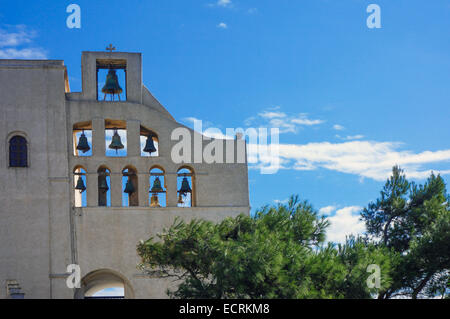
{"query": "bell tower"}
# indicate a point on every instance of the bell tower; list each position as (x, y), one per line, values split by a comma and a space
(89, 177)
(92, 63)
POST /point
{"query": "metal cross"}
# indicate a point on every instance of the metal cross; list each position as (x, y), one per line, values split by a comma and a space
(110, 48)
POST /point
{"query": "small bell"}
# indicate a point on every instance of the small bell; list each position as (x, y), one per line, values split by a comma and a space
(112, 85)
(157, 188)
(83, 144)
(80, 185)
(103, 185)
(116, 142)
(154, 201)
(149, 145)
(185, 188)
(129, 188)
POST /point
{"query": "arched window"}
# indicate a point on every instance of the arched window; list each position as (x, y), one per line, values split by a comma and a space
(18, 152)
(157, 187)
(79, 179)
(186, 187)
(104, 182)
(130, 187)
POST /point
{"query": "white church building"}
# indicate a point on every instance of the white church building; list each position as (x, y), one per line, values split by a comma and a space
(86, 175)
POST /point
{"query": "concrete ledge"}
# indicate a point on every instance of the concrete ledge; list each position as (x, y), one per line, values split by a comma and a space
(31, 64)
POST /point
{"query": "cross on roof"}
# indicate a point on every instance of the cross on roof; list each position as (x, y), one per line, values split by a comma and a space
(110, 48)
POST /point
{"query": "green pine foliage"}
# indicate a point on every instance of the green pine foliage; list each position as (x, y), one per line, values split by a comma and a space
(281, 251)
(414, 222)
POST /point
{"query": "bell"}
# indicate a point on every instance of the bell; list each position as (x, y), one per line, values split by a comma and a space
(129, 188)
(149, 145)
(116, 143)
(185, 188)
(80, 185)
(154, 201)
(103, 185)
(83, 143)
(157, 188)
(112, 84)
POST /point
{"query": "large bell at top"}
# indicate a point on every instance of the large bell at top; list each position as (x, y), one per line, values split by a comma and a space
(112, 86)
(83, 144)
(185, 188)
(80, 185)
(129, 188)
(157, 188)
(116, 143)
(149, 145)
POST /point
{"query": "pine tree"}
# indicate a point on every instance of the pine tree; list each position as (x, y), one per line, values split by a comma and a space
(414, 222)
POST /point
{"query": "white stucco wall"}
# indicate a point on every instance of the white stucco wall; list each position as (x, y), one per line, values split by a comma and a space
(40, 230)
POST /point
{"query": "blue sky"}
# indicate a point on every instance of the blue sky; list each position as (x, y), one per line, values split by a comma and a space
(351, 101)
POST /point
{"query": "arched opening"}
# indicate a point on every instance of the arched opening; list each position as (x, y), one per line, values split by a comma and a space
(82, 139)
(157, 187)
(104, 186)
(116, 138)
(105, 284)
(186, 187)
(115, 292)
(18, 151)
(130, 187)
(79, 181)
(149, 143)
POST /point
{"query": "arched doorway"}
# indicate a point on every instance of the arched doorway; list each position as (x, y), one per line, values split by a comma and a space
(104, 283)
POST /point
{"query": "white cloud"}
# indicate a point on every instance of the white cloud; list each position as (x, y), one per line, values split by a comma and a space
(222, 25)
(27, 54)
(12, 40)
(327, 210)
(303, 120)
(344, 223)
(249, 121)
(350, 137)
(221, 3)
(367, 159)
(193, 120)
(271, 115)
(12, 36)
(285, 125)
(338, 127)
(273, 118)
(224, 3)
(282, 202)
(207, 128)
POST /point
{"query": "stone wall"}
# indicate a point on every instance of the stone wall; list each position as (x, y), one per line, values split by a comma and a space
(41, 231)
